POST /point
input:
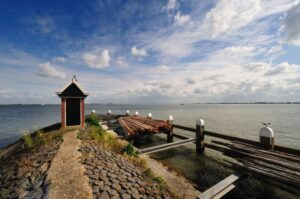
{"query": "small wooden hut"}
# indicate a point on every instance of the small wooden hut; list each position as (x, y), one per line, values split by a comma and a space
(72, 104)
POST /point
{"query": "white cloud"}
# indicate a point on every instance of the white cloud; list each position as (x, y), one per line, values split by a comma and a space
(181, 19)
(138, 52)
(281, 68)
(161, 85)
(172, 4)
(44, 24)
(257, 66)
(230, 15)
(291, 25)
(162, 68)
(238, 51)
(121, 62)
(190, 80)
(47, 70)
(267, 69)
(97, 60)
(235, 54)
(59, 59)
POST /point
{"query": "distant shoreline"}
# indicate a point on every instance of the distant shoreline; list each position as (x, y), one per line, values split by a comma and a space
(159, 104)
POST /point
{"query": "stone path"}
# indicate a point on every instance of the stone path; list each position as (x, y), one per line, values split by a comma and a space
(177, 184)
(66, 174)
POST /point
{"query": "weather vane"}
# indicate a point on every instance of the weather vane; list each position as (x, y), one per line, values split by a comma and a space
(74, 78)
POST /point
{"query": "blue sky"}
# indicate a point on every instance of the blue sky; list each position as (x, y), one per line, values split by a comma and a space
(167, 51)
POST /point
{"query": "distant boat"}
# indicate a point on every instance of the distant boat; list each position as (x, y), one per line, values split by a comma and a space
(182, 104)
(42, 104)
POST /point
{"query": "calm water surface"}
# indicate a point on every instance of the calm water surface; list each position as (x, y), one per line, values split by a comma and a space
(239, 120)
(205, 170)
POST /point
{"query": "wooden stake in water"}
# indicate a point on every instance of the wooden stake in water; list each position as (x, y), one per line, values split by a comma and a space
(170, 134)
(200, 136)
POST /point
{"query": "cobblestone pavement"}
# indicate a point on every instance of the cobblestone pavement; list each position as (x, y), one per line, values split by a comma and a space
(113, 176)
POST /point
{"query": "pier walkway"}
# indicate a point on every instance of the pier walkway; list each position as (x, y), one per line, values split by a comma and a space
(66, 173)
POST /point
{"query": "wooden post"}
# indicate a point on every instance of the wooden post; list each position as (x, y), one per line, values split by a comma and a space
(170, 134)
(266, 137)
(200, 136)
(109, 112)
(127, 113)
(150, 116)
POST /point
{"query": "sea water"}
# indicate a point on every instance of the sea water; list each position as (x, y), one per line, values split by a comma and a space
(242, 120)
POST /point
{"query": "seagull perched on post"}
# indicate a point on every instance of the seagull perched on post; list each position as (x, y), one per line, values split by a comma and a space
(266, 124)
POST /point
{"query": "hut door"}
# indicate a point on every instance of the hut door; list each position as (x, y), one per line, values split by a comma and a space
(73, 111)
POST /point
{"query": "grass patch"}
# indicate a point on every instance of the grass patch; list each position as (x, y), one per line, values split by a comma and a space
(130, 150)
(137, 161)
(40, 138)
(96, 132)
(158, 179)
(92, 120)
(82, 134)
(28, 142)
(106, 139)
(148, 173)
(4, 193)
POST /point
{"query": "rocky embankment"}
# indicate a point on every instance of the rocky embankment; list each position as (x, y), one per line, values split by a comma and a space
(32, 167)
(112, 175)
(23, 170)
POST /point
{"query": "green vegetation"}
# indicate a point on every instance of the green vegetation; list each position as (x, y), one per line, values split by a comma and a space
(96, 132)
(92, 120)
(4, 193)
(106, 139)
(110, 141)
(56, 135)
(158, 179)
(40, 138)
(82, 134)
(130, 150)
(148, 173)
(28, 142)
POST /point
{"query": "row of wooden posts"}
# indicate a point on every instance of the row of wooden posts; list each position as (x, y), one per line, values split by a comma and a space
(266, 134)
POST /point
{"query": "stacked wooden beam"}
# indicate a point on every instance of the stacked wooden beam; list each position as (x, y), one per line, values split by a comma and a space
(279, 166)
(134, 125)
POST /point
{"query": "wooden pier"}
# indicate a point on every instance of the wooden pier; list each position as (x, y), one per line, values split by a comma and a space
(221, 188)
(259, 158)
